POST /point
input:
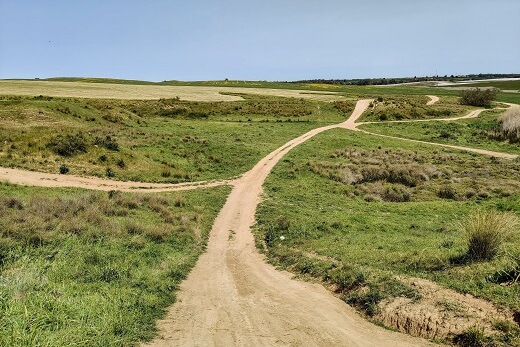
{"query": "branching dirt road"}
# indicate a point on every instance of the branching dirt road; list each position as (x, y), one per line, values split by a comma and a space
(351, 124)
(234, 298)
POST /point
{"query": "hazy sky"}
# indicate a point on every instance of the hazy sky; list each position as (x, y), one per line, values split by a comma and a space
(257, 39)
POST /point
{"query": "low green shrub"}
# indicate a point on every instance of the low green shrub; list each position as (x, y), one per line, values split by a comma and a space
(64, 169)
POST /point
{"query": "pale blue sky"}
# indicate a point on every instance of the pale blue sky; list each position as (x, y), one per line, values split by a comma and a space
(257, 39)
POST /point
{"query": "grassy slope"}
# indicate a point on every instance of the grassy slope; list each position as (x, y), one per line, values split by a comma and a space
(91, 269)
(161, 141)
(345, 233)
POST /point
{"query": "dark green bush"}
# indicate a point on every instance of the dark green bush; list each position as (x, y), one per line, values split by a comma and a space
(396, 194)
(110, 173)
(478, 97)
(447, 192)
(64, 169)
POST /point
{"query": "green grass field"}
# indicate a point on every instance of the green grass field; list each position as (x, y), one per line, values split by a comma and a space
(94, 268)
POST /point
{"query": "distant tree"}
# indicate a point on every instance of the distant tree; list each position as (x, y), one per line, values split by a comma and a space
(478, 97)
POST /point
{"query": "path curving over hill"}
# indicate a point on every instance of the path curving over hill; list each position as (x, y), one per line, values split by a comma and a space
(234, 298)
(433, 99)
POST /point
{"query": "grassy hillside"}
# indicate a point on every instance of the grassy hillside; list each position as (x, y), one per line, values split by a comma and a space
(410, 107)
(165, 140)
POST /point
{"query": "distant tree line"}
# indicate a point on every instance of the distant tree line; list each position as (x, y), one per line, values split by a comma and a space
(385, 81)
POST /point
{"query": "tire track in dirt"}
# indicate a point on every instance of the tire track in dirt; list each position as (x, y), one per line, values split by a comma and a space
(234, 298)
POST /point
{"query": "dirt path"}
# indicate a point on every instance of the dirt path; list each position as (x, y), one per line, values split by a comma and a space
(234, 298)
(32, 178)
(472, 114)
(433, 99)
(352, 125)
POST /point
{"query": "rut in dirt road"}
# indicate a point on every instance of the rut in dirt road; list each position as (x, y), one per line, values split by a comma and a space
(234, 298)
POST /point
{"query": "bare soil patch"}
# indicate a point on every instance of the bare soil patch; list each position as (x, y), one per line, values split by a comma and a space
(440, 313)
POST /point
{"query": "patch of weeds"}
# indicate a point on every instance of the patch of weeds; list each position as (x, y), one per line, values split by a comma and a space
(366, 301)
(346, 278)
(447, 192)
(507, 276)
(110, 173)
(452, 306)
(108, 142)
(510, 332)
(283, 223)
(472, 337)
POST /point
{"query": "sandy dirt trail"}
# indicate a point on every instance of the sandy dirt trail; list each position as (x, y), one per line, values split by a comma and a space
(234, 298)
(433, 99)
(41, 179)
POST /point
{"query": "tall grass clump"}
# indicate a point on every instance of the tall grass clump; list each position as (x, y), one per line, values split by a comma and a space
(509, 126)
(486, 232)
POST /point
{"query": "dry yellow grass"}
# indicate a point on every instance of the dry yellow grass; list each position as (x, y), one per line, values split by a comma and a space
(147, 92)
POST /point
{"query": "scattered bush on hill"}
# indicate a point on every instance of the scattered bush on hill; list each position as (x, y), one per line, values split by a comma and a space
(107, 142)
(69, 145)
(478, 97)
